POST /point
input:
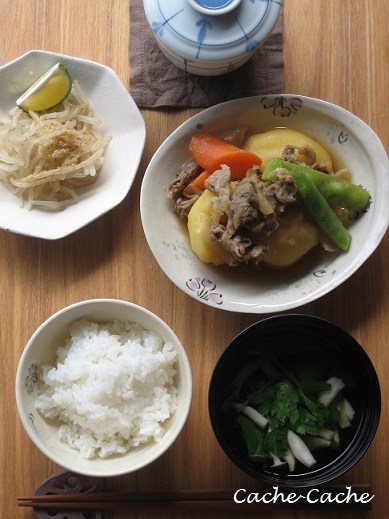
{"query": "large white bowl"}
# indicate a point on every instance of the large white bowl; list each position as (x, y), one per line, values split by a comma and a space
(121, 120)
(244, 289)
(41, 348)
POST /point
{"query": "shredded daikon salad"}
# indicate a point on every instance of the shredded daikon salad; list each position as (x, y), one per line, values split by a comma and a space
(45, 157)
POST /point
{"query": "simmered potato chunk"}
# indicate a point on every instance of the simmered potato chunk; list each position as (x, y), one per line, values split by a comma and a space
(272, 143)
(295, 236)
(199, 225)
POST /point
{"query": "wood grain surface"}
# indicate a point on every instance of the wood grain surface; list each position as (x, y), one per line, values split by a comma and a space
(336, 50)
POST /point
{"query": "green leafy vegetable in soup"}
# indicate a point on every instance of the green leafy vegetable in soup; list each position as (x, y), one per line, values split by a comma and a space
(284, 416)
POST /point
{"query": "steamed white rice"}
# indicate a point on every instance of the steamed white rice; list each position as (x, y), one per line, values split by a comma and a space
(112, 387)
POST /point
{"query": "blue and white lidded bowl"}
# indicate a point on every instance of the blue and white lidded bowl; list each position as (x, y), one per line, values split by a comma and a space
(211, 37)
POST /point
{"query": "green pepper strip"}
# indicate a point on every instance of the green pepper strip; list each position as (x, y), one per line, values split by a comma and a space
(335, 190)
(321, 211)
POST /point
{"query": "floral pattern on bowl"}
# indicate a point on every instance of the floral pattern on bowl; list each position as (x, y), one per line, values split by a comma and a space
(205, 289)
(31, 378)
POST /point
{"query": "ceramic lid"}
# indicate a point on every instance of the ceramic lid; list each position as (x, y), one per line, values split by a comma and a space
(212, 30)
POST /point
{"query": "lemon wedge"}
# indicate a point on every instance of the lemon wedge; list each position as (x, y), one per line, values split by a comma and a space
(48, 91)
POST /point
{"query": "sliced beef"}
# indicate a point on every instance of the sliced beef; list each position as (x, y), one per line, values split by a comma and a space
(240, 246)
(283, 191)
(241, 211)
(306, 151)
(244, 205)
(183, 205)
(253, 205)
(188, 173)
(179, 193)
(220, 184)
(309, 157)
(219, 180)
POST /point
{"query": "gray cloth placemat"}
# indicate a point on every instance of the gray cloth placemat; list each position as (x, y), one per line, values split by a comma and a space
(155, 82)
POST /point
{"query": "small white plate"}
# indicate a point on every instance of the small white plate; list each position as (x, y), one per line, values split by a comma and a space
(243, 289)
(121, 119)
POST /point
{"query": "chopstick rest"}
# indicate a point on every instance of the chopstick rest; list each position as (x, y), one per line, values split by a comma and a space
(66, 482)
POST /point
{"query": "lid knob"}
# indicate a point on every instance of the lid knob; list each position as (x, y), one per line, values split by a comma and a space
(214, 7)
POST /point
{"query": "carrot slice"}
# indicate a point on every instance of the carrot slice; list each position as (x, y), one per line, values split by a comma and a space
(199, 181)
(210, 153)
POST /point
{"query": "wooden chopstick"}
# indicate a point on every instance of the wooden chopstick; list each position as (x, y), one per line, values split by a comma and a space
(115, 500)
(116, 505)
(221, 500)
(191, 495)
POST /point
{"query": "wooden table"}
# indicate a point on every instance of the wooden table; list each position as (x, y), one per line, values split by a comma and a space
(336, 50)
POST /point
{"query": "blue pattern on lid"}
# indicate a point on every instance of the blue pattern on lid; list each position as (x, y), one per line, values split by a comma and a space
(232, 28)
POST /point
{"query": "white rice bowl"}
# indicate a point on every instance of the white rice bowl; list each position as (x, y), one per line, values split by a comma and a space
(103, 387)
